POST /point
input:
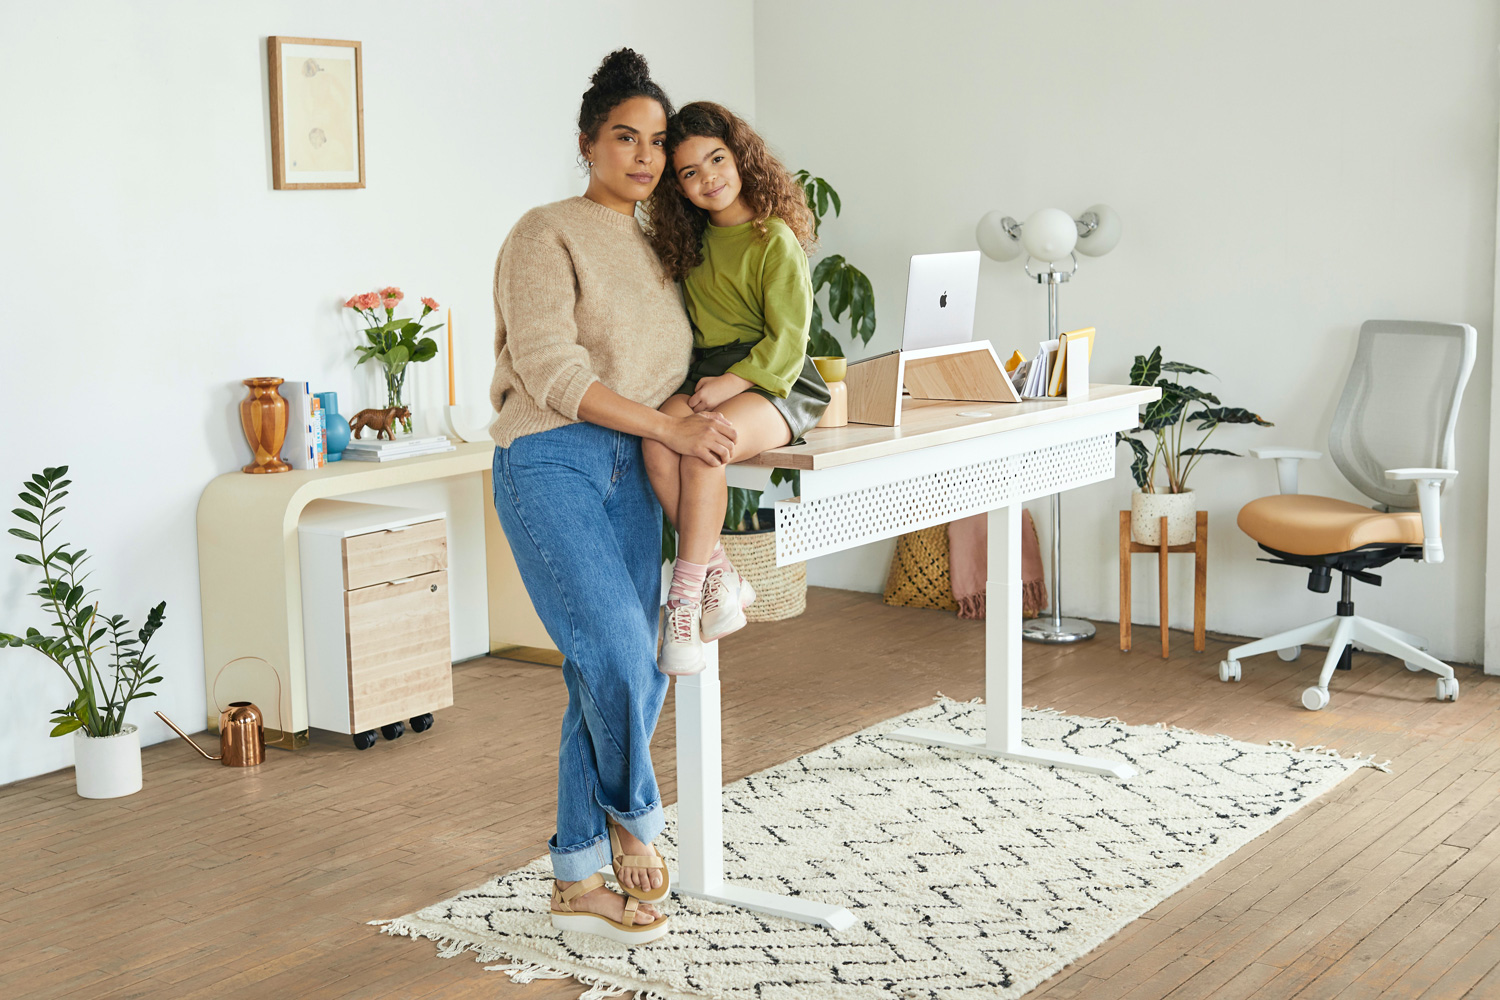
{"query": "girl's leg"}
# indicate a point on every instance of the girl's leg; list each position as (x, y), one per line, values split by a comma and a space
(704, 496)
(551, 491)
(662, 462)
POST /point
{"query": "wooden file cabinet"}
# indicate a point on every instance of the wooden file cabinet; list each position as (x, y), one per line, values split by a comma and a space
(375, 617)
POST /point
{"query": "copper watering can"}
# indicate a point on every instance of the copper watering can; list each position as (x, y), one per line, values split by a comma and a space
(242, 735)
(242, 730)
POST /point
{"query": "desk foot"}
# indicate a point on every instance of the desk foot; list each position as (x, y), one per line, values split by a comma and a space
(1031, 755)
(808, 911)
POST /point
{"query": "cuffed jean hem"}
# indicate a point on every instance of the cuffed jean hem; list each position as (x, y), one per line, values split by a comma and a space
(644, 824)
(581, 862)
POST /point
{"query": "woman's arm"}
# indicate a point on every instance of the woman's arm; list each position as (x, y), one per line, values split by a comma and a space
(708, 436)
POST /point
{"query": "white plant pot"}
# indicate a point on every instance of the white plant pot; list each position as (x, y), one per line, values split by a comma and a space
(107, 767)
(1147, 510)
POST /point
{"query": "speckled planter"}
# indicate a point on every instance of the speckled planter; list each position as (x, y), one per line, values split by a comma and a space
(1147, 509)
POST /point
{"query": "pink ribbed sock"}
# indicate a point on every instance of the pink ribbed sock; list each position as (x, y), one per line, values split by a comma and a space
(687, 583)
(720, 559)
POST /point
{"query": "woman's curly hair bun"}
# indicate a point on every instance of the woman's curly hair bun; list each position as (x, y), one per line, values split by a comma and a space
(622, 68)
(622, 75)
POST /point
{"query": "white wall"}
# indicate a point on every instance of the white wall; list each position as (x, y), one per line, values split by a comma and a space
(149, 266)
(1284, 171)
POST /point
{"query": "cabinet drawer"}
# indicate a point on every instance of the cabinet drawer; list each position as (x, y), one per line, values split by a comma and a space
(400, 663)
(395, 554)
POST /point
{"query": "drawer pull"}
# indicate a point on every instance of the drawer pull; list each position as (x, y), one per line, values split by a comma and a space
(392, 531)
(396, 583)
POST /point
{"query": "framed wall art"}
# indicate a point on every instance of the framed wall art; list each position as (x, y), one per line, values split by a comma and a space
(317, 113)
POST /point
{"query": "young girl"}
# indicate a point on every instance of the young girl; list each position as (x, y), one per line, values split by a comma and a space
(731, 224)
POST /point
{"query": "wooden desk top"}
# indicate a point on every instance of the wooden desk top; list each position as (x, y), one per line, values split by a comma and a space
(925, 423)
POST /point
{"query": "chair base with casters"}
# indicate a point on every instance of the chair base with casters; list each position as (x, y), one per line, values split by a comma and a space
(1344, 630)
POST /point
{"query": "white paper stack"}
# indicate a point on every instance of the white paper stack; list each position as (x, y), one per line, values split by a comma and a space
(376, 450)
(1040, 371)
(306, 442)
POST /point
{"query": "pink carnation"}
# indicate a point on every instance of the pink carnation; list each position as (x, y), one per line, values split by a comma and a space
(369, 300)
(430, 303)
(392, 292)
(392, 302)
(353, 302)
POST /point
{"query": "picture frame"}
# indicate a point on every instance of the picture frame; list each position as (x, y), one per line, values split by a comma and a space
(317, 113)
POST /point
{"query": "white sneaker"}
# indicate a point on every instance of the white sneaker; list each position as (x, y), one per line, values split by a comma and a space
(726, 595)
(681, 648)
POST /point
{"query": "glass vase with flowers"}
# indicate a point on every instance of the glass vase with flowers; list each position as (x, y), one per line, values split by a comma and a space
(394, 341)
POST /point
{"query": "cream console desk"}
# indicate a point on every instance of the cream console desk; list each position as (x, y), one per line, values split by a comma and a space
(250, 577)
(862, 483)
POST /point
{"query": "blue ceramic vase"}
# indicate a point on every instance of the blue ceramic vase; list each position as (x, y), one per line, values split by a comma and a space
(338, 427)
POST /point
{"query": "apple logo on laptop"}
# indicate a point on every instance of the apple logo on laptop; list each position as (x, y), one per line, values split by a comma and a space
(943, 301)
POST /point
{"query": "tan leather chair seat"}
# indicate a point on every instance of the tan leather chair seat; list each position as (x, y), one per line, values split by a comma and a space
(1315, 526)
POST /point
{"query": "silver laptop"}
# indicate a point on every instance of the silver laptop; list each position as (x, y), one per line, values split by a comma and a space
(941, 289)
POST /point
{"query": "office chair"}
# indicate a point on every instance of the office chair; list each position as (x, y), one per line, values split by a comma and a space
(1392, 438)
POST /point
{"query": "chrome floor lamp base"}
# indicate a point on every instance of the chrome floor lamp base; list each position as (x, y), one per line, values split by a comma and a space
(1056, 631)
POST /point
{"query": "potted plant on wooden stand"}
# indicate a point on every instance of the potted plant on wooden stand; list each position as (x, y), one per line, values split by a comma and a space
(749, 537)
(106, 749)
(1164, 423)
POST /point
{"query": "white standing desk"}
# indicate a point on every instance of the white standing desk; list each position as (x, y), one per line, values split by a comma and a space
(862, 483)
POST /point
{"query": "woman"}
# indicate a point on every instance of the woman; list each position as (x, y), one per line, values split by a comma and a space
(590, 338)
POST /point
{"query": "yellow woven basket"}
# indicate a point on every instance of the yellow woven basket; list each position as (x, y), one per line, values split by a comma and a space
(919, 576)
(780, 591)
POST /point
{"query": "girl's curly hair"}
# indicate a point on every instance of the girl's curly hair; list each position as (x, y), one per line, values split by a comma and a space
(675, 225)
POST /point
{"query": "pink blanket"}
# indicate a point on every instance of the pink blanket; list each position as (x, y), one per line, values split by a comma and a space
(968, 539)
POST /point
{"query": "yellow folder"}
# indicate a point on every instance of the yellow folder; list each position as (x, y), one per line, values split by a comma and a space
(1059, 370)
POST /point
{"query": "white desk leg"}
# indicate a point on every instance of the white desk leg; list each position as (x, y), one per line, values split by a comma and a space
(1002, 665)
(700, 810)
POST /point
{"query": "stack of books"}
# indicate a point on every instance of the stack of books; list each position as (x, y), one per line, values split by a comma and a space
(376, 450)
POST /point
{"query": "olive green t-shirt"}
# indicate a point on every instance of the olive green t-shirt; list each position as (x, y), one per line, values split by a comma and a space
(750, 290)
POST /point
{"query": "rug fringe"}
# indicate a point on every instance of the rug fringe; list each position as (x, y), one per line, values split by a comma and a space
(520, 971)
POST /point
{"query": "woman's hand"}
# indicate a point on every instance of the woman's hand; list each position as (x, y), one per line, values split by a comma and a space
(713, 392)
(706, 436)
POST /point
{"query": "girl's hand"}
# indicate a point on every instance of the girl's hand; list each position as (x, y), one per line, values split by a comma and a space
(715, 391)
(706, 436)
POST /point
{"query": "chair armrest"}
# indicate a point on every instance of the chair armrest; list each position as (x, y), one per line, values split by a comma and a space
(1429, 487)
(1286, 463)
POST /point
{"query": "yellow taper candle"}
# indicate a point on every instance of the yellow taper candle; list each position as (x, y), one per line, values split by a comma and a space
(451, 401)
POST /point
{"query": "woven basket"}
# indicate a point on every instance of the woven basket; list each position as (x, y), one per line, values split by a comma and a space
(780, 591)
(919, 576)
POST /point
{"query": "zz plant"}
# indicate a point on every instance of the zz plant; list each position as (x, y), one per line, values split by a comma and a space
(81, 638)
(1165, 422)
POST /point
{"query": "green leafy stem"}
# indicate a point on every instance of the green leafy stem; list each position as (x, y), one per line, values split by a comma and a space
(83, 637)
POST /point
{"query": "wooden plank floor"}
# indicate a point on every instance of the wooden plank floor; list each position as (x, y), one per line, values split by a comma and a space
(216, 882)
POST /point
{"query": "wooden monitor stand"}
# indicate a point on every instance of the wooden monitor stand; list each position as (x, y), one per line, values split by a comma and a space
(969, 372)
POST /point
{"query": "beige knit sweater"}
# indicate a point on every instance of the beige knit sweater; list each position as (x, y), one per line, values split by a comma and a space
(579, 298)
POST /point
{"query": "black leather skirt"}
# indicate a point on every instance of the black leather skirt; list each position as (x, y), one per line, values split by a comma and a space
(804, 403)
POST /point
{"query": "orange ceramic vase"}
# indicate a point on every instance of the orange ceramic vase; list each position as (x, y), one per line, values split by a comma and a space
(263, 416)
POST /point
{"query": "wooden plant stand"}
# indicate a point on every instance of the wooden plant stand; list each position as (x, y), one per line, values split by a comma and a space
(1198, 547)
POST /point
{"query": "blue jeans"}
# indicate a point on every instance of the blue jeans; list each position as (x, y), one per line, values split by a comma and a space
(585, 528)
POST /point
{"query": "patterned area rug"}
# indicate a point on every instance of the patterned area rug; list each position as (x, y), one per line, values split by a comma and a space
(967, 876)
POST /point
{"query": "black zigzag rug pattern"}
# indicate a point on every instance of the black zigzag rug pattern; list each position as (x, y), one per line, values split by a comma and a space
(968, 876)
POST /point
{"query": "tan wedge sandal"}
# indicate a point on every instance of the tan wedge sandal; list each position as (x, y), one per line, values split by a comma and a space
(622, 860)
(565, 918)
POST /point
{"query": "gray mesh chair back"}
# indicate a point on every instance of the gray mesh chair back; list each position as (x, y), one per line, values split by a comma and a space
(1399, 407)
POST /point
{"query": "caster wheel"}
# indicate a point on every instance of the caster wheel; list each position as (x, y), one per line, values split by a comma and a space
(1447, 689)
(1415, 668)
(393, 731)
(421, 723)
(1290, 653)
(364, 740)
(1314, 699)
(1229, 670)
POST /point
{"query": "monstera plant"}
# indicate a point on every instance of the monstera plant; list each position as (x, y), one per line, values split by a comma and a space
(1166, 425)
